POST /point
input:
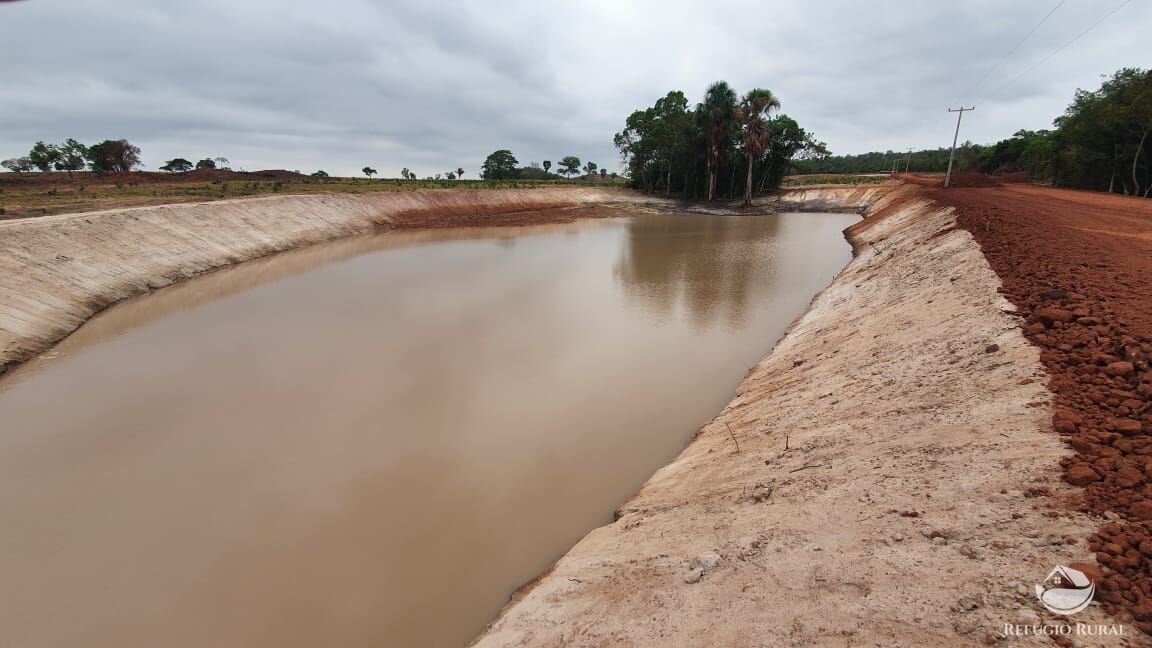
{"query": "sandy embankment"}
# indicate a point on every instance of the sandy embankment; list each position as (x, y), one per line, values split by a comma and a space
(58, 271)
(897, 482)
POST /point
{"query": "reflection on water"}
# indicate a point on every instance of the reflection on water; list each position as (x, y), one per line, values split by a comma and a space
(373, 442)
(699, 267)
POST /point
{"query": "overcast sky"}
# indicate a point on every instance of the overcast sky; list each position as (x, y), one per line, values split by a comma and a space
(338, 84)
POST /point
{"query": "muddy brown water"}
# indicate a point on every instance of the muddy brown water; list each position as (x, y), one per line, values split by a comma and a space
(373, 442)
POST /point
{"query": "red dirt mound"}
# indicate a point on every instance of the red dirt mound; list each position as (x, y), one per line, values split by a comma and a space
(972, 179)
(225, 174)
(917, 179)
(1013, 178)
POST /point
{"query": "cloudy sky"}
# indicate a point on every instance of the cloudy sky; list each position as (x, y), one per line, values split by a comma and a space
(338, 84)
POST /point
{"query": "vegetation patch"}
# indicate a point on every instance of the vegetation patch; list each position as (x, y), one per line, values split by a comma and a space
(1101, 142)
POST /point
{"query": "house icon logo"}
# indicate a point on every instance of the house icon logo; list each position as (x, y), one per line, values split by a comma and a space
(1066, 591)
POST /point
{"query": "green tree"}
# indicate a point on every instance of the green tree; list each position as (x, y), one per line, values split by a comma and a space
(320, 174)
(603, 173)
(672, 129)
(460, 173)
(178, 165)
(639, 144)
(368, 171)
(547, 166)
(114, 156)
(43, 156)
(73, 156)
(18, 165)
(569, 165)
(500, 165)
(1103, 135)
(676, 148)
(787, 141)
(405, 173)
(752, 117)
(531, 172)
(716, 114)
(590, 169)
(206, 163)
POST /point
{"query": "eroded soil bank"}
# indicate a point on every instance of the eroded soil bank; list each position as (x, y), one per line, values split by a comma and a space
(1079, 267)
(57, 271)
(887, 476)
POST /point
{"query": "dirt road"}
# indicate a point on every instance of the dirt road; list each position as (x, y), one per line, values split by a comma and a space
(1078, 265)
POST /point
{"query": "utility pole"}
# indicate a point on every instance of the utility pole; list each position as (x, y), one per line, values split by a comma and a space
(908, 161)
(952, 155)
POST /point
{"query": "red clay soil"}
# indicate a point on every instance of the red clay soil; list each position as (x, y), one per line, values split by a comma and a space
(960, 179)
(1078, 265)
(1014, 177)
(965, 179)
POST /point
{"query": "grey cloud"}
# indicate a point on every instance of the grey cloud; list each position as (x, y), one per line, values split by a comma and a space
(433, 86)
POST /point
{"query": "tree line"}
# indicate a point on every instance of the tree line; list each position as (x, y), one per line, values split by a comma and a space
(109, 156)
(725, 146)
(458, 174)
(1101, 142)
(503, 165)
(181, 165)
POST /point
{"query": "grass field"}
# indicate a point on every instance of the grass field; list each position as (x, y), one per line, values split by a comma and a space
(36, 194)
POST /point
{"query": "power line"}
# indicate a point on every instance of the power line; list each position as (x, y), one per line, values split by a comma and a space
(1062, 47)
(1026, 37)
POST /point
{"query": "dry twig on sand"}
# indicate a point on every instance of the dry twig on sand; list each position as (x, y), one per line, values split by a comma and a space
(731, 434)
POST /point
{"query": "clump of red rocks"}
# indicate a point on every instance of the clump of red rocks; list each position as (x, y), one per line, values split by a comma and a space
(1103, 380)
(1084, 286)
(1104, 413)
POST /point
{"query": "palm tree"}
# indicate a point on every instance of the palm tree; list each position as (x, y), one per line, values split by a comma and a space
(716, 111)
(752, 115)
